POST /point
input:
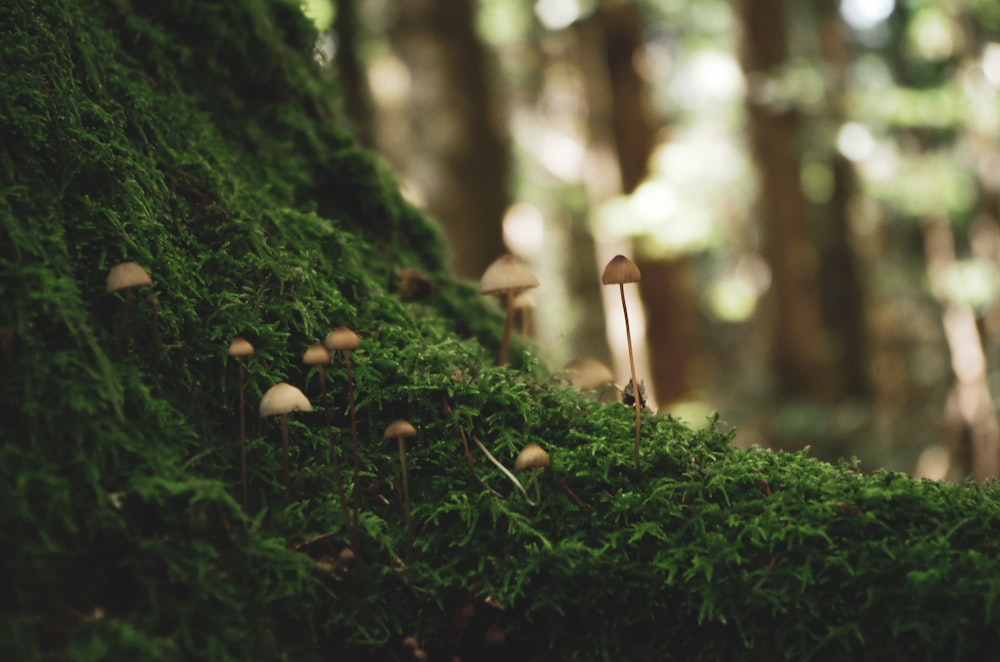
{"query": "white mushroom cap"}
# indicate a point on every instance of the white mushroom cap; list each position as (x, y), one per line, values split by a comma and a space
(586, 373)
(399, 428)
(240, 347)
(341, 339)
(317, 354)
(127, 274)
(532, 456)
(283, 398)
(620, 270)
(507, 273)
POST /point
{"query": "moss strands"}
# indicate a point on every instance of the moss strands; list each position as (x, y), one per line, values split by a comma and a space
(241, 348)
(507, 276)
(618, 271)
(280, 400)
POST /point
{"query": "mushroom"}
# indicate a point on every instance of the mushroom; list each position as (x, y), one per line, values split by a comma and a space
(621, 270)
(126, 276)
(281, 399)
(318, 355)
(588, 374)
(533, 457)
(345, 341)
(508, 276)
(241, 347)
(524, 303)
(506, 471)
(401, 430)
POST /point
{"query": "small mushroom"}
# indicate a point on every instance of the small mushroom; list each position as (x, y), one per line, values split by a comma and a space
(588, 374)
(126, 276)
(240, 348)
(621, 270)
(400, 430)
(318, 355)
(508, 276)
(282, 399)
(345, 341)
(533, 457)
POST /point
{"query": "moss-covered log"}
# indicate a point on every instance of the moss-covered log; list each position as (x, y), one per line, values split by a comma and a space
(199, 139)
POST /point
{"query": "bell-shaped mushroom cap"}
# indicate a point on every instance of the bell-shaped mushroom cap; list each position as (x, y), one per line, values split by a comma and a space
(127, 274)
(316, 355)
(586, 373)
(507, 273)
(532, 456)
(620, 270)
(399, 428)
(341, 339)
(283, 398)
(240, 347)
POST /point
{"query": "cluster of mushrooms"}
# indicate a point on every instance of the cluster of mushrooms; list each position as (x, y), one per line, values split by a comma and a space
(508, 277)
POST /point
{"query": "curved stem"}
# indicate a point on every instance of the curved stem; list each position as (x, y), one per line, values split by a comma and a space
(635, 382)
(506, 472)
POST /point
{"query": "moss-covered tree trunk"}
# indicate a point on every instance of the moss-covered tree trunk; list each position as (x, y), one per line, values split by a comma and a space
(195, 138)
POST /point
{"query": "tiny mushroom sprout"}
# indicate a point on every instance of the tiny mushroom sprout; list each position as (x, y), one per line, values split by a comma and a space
(400, 430)
(508, 276)
(240, 348)
(588, 374)
(280, 400)
(345, 341)
(621, 270)
(533, 457)
(126, 276)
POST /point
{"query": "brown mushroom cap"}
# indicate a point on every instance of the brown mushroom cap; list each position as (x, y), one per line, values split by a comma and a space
(620, 270)
(317, 354)
(127, 274)
(341, 339)
(507, 273)
(586, 373)
(532, 456)
(283, 398)
(399, 428)
(240, 347)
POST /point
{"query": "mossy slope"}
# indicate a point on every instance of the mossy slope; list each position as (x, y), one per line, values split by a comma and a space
(197, 138)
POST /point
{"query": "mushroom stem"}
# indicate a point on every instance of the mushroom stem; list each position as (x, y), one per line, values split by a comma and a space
(635, 382)
(354, 441)
(508, 325)
(243, 436)
(284, 451)
(506, 472)
(123, 325)
(406, 487)
(337, 476)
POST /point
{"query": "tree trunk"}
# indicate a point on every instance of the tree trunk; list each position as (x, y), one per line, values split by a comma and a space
(798, 355)
(458, 151)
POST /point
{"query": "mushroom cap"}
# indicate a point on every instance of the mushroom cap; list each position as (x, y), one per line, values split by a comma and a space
(532, 456)
(586, 373)
(507, 273)
(127, 274)
(399, 428)
(620, 270)
(317, 354)
(240, 347)
(524, 301)
(283, 398)
(341, 339)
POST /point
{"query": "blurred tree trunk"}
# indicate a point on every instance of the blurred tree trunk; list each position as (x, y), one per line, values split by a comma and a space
(844, 299)
(459, 149)
(357, 103)
(798, 356)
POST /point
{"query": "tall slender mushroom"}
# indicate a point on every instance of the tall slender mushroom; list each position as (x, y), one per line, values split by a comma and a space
(621, 270)
(318, 355)
(241, 347)
(282, 399)
(126, 276)
(533, 457)
(400, 430)
(345, 341)
(508, 276)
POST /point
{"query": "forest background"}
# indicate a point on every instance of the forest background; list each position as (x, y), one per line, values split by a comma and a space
(811, 191)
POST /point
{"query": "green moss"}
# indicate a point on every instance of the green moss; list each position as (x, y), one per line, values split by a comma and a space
(200, 139)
